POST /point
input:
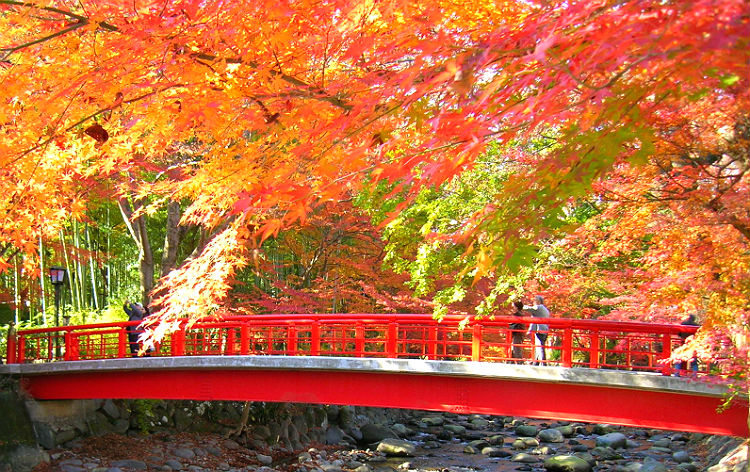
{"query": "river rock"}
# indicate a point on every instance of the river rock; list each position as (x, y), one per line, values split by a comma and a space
(526, 430)
(605, 453)
(372, 433)
(264, 459)
(479, 423)
(433, 420)
(494, 451)
(663, 443)
(72, 468)
(565, 463)
(334, 435)
(469, 449)
(681, 457)
(184, 453)
(130, 464)
(496, 440)
(519, 444)
(174, 465)
(687, 467)
(524, 458)
(630, 467)
(396, 447)
(652, 465)
(661, 450)
(551, 436)
(401, 430)
(479, 444)
(613, 440)
(456, 429)
(543, 451)
(566, 430)
(602, 429)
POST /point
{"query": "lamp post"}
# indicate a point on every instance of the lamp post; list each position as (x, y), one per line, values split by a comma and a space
(57, 276)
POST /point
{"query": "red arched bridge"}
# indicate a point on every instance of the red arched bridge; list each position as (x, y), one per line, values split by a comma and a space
(595, 371)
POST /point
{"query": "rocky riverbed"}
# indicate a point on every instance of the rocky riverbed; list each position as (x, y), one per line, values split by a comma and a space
(420, 441)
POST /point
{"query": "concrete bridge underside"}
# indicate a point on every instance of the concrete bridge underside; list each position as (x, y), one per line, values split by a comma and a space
(579, 394)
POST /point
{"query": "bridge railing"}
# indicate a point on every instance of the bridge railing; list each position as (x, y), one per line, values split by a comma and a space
(570, 343)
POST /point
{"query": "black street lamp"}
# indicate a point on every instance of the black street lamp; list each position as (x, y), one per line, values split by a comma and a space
(57, 276)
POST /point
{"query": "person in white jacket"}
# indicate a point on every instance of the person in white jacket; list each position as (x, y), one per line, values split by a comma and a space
(538, 310)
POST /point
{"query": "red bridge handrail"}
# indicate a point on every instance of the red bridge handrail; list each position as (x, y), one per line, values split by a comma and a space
(571, 342)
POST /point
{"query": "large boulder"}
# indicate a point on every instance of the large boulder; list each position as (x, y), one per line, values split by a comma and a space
(18, 445)
(23, 459)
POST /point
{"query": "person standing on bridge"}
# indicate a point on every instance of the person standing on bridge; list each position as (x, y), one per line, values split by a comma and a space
(693, 362)
(538, 310)
(135, 312)
(516, 334)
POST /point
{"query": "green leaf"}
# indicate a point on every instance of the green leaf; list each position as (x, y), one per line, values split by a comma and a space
(729, 80)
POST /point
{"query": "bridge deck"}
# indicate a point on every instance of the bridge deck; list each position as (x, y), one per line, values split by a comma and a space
(574, 394)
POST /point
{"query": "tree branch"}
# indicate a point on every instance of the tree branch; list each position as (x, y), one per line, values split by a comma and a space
(69, 14)
(73, 27)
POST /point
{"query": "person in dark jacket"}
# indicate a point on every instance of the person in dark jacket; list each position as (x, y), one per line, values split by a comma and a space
(517, 330)
(135, 312)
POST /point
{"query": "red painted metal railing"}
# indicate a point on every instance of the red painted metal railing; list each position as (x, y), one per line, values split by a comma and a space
(571, 342)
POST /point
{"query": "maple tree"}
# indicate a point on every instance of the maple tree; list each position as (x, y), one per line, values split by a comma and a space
(258, 114)
(331, 264)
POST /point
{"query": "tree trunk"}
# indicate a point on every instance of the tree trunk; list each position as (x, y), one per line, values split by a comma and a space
(172, 239)
(42, 276)
(137, 228)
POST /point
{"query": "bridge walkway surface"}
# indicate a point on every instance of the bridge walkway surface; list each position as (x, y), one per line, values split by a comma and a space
(386, 361)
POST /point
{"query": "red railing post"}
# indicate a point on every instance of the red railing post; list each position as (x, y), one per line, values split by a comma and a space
(178, 342)
(315, 339)
(432, 343)
(292, 349)
(122, 342)
(594, 351)
(666, 353)
(244, 339)
(359, 340)
(75, 347)
(567, 347)
(231, 339)
(68, 356)
(391, 340)
(476, 343)
(21, 357)
(51, 346)
(12, 345)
